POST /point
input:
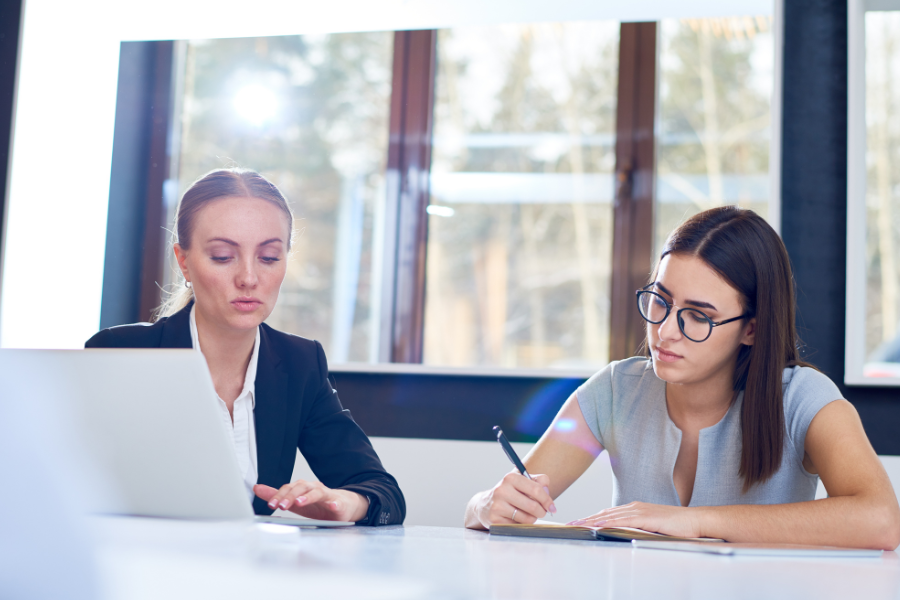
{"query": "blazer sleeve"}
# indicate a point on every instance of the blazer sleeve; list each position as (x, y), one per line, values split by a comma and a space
(341, 455)
(102, 339)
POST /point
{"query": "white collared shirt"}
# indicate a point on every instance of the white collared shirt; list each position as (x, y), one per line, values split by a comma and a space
(242, 429)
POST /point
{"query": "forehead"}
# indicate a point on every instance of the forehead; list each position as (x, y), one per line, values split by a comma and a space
(688, 277)
(239, 217)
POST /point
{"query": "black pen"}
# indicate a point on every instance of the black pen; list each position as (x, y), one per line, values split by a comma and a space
(510, 453)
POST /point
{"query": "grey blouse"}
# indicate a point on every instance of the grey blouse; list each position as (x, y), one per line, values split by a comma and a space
(625, 407)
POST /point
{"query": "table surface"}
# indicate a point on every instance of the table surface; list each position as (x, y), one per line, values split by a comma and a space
(156, 558)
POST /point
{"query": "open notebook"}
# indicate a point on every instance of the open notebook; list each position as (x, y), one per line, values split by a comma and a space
(548, 529)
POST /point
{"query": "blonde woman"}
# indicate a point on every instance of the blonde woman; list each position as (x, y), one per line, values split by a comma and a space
(233, 236)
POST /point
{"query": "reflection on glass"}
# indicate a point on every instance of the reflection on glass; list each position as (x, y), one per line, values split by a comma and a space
(520, 221)
(311, 114)
(882, 195)
(713, 130)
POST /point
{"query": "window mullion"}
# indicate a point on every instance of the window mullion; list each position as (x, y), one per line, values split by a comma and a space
(634, 184)
(409, 162)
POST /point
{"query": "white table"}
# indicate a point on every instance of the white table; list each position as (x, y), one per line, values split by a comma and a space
(155, 558)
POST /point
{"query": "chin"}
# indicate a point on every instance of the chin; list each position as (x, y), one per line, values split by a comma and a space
(247, 320)
(666, 371)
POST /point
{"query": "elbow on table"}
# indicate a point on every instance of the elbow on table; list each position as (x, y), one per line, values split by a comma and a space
(886, 528)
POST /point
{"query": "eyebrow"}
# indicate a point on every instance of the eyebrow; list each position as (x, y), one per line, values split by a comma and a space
(697, 303)
(236, 245)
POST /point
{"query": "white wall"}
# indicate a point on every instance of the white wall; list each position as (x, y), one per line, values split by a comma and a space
(439, 476)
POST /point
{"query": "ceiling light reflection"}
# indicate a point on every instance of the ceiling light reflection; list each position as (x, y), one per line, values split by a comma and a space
(439, 211)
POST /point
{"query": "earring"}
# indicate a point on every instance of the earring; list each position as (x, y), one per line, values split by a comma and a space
(187, 284)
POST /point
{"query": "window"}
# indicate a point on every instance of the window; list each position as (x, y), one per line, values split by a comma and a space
(520, 219)
(882, 198)
(484, 196)
(873, 273)
(715, 90)
(311, 114)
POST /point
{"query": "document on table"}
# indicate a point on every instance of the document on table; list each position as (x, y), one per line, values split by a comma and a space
(740, 549)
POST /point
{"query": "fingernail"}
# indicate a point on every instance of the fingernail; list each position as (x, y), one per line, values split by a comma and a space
(546, 489)
(578, 522)
(600, 523)
(553, 508)
(301, 499)
(271, 504)
(285, 503)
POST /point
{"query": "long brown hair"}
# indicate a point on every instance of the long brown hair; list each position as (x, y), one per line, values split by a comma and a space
(221, 183)
(746, 252)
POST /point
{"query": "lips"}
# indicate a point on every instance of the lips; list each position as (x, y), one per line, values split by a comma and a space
(246, 303)
(666, 356)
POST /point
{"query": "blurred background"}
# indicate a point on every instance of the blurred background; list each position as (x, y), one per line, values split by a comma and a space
(517, 256)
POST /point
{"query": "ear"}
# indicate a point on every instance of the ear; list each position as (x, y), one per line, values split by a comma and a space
(749, 332)
(181, 257)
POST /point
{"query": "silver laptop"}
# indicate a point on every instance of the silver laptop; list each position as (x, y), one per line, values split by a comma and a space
(150, 424)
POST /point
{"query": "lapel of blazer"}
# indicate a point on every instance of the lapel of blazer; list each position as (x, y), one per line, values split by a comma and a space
(270, 413)
(176, 331)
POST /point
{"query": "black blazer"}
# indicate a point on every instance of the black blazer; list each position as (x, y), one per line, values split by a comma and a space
(296, 407)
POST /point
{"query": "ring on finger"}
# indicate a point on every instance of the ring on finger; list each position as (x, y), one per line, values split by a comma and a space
(514, 514)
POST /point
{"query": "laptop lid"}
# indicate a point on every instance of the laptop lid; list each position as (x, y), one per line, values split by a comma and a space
(149, 422)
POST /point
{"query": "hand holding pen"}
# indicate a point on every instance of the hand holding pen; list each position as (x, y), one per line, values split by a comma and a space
(519, 497)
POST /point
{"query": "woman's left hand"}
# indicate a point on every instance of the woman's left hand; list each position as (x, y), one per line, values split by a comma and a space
(313, 500)
(671, 520)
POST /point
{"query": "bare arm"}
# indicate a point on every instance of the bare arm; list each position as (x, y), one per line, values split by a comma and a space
(860, 512)
(563, 453)
(861, 509)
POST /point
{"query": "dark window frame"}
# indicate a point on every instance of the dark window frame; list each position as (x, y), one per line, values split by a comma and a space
(408, 169)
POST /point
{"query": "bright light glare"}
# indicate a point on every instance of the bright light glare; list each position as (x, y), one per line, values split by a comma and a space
(256, 103)
(439, 211)
(565, 425)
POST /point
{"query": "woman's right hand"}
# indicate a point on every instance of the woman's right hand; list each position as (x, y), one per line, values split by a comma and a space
(515, 499)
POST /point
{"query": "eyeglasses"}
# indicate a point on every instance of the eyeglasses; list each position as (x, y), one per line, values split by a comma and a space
(694, 324)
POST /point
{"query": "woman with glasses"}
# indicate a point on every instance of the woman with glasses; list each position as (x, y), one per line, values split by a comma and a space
(721, 430)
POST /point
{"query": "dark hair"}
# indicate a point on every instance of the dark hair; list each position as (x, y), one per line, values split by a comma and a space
(746, 252)
(221, 183)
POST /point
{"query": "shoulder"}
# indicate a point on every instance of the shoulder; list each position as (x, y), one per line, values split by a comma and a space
(135, 335)
(294, 349)
(634, 367)
(603, 395)
(805, 384)
(806, 392)
(617, 376)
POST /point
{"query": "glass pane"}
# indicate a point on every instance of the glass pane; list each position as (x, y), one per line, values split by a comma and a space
(520, 220)
(311, 114)
(882, 194)
(713, 129)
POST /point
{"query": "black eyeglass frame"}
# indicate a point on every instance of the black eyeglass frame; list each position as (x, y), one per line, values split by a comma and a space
(678, 314)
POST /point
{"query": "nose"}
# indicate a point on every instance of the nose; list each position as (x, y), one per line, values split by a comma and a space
(247, 277)
(668, 329)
